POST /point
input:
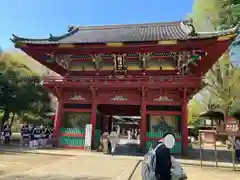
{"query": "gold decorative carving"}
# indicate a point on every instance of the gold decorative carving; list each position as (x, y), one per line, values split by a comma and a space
(145, 58)
(97, 59)
(226, 37)
(64, 61)
(162, 98)
(119, 62)
(114, 44)
(76, 98)
(119, 98)
(168, 42)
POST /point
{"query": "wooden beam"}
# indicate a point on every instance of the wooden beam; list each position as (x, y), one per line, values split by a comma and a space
(168, 42)
(226, 37)
(144, 47)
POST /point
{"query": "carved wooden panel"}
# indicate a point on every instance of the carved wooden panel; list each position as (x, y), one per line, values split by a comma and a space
(163, 96)
(64, 61)
(79, 96)
(118, 97)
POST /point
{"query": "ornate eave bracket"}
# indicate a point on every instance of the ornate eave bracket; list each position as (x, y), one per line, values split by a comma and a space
(119, 59)
(64, 61)
(145, 57)
(97, 59)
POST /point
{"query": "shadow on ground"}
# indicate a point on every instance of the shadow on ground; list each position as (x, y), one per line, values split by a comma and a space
(128, 149)
(51, 177)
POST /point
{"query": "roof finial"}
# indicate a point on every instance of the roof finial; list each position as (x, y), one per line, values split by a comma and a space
(70, 28)
(193, 31)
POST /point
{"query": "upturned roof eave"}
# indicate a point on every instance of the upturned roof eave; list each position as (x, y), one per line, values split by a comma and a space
(52, 40)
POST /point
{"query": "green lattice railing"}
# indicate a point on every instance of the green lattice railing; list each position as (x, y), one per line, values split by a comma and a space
(72, 130)
(70, 139)
(97, 136)
(176, 149)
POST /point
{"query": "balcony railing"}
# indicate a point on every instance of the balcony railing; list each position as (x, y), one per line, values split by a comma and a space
(120, 79)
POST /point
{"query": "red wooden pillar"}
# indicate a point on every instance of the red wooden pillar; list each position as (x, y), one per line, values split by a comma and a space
(143, 124)
(184, 125)
(93, 118)
(58, 118)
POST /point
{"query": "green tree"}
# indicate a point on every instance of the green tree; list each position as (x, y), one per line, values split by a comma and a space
(222, 81)
(195, 107)
(20, 89)
(205, 14)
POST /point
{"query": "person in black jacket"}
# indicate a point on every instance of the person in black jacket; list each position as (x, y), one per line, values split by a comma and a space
(163, 161)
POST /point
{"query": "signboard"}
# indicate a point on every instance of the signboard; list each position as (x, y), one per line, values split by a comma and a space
(232, 128)
(208, 137)
(88, 135)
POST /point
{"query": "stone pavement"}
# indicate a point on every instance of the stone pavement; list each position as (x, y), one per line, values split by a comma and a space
(39, 167)
(197, 173)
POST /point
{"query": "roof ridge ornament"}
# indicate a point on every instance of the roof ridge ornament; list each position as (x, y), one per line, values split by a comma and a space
(193, 30)
(71, 28)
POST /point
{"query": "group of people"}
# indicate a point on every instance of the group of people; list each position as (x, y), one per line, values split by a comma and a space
(110, 141)
(34, 136)
(133, 133)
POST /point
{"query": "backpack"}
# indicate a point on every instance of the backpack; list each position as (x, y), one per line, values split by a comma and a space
(148, 170)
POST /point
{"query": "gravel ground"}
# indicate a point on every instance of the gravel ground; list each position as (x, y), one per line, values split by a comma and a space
(39, 167)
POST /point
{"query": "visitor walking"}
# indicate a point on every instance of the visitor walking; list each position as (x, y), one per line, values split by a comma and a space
(47, 134)
(36, 136)
(157, 162)
(25, 135)
(104, 142)
(237, 149)
(7, 133)
(114, 140)
(129, 134)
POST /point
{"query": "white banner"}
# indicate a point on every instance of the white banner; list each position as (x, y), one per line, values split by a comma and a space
(88, 135)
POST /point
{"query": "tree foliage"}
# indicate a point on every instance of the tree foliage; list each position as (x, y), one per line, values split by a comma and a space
(223, 80)
(20, 89)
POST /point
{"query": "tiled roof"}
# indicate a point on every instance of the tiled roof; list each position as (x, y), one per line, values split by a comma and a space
(180, 30)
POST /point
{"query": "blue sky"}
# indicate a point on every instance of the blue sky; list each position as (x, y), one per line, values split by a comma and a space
(39, 18)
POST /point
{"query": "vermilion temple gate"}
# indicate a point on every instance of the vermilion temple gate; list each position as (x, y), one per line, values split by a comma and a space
(154, 100)
(157, 66)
